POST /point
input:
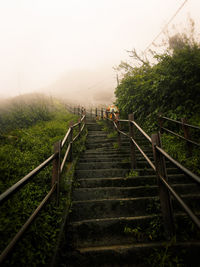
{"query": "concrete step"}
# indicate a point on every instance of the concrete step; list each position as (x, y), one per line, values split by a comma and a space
(133, 255)
(125, 192)
(101, 173)
(108, 163)
(112, 231)
(109, 208)
(126, 207)
(110, 158)
(130, 182)
(126, 230)
(102, 165)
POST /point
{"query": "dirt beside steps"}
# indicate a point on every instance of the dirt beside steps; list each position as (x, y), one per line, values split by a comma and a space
(115, 218)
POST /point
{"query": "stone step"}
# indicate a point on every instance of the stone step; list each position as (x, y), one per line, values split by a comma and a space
(110, 158)
(126, 207)
(109, 208)
(112, 231)
(114, 151)
(108, 163)
(101, 173)
(133, 255)
(130, 182)
(126, 230)
(102, 165)
(125, 192)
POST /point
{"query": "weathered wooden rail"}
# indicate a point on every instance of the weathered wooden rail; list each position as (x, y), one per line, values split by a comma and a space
(186, 128)
(159, 166)
(58, 166)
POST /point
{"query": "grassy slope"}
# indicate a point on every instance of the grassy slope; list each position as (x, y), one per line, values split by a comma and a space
(21, 150)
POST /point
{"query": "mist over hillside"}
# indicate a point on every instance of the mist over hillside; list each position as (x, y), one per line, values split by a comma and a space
(84, 87)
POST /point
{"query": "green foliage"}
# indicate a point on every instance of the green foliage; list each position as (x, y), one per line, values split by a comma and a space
(165, 257)
(22, 149)
(132, 173)
(116, 145)
(24, 111)
(126, 160)
(178, 149)
(112, 134)
(171, 86)
(137, 232)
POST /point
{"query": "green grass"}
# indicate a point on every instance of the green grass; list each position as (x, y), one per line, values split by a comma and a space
(21, 150)
(178, 150)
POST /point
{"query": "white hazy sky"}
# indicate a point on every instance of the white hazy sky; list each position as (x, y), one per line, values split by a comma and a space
(40, 40)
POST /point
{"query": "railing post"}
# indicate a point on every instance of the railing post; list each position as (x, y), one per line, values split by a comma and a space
(79, 127)
(187, 136)
(165, 199)
(106, 115)
(96, 113)
(85, 116)
(119, 136)
(132, 146)
(160, 122)
(71, 142)
(56, 169)
(102, 113)
(113, 116)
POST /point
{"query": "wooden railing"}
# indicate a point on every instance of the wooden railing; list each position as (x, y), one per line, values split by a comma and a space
(58, 166)
(159, 166)
(186, 129)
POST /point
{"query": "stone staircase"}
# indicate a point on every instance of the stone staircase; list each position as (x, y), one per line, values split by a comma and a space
(115, 218)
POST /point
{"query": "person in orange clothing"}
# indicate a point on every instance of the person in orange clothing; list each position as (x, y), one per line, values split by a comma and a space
(112, 109)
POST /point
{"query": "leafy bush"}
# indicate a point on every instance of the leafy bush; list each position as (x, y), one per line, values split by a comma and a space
(171, 86)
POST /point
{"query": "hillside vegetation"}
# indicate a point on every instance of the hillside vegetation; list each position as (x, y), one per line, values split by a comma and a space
(170, 86)
(29, 128)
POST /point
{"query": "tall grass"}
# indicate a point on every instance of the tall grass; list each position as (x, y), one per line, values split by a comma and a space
(29, 127)
(24, 111)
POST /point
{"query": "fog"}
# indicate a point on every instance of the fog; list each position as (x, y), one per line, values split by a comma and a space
(68, 48)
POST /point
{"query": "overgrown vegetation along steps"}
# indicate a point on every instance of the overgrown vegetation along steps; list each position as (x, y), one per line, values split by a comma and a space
(116, 218)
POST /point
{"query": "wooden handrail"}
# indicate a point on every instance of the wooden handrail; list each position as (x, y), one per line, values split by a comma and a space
(181, 123)
(166, 185)
(185, 127)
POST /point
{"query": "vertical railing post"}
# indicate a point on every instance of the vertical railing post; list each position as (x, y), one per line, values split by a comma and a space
(102, 113)
(79, 126)
(96, 113)
(119, 135)
(113, 116)
(132, 146)
(160, 122)
(165, 199)
(56, 169)
(71, 142)
(106, 115)
(187, 136)
(113, 119)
